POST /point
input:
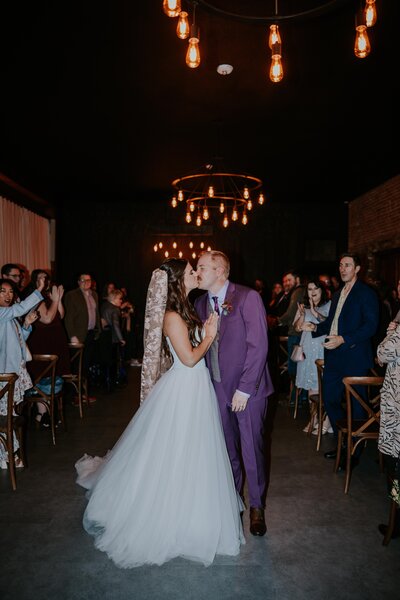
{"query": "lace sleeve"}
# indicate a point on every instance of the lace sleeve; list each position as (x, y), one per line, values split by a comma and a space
(155, 361)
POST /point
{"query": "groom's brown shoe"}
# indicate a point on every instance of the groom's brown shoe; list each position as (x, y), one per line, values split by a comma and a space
(257, 521)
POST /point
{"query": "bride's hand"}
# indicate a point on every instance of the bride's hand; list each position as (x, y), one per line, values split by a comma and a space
(211, 326)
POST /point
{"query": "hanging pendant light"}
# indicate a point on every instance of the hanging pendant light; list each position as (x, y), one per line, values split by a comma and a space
(172, 8)
(183, 28)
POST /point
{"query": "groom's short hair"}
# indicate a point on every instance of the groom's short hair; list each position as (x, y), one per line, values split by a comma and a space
(219, 257)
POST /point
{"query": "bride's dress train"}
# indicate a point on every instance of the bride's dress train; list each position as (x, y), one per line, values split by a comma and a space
(166, 488)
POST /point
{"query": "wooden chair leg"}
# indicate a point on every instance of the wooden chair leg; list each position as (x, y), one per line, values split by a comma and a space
(291, 386)
(21, 441)
(60, 407)
(348, 470)
(321, 417)
(52, 421)
(296, 402)
(313, 415)
(11, 463)
(390, 527)
(338, 451)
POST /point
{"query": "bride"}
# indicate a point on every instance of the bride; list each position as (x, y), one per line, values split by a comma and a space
(166, 488)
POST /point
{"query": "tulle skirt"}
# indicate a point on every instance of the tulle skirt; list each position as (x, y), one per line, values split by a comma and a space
(166, 488)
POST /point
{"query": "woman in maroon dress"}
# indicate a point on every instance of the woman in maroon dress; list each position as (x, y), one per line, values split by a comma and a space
(48, 335)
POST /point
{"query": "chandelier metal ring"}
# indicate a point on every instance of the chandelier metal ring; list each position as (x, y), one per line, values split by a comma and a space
(311, 12)
(231, 193)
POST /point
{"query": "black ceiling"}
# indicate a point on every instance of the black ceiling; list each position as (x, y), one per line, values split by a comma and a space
(97, 100)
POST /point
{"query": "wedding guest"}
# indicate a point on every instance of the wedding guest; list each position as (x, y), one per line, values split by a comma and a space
(313, 309)
(349, 328)
(12, 272)
(396, 305)
(13, 349)
(48, 335)
(259, 286)
(238, 365)
(166, 488)
(107, 288)
(276, 293)
(82, 322)
(389, 428)
(111, 339)
(292, 280)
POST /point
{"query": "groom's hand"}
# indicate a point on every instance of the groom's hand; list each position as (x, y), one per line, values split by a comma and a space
(239, 402)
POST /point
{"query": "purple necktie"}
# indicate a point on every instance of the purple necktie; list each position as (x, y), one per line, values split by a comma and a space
(216, 307)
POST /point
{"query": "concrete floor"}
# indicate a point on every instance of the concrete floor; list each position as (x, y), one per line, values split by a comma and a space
(320, 544)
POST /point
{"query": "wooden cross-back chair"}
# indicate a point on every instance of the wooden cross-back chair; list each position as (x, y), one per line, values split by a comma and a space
(76, 378)
(9, 424)
(358, 431)
(49, 401)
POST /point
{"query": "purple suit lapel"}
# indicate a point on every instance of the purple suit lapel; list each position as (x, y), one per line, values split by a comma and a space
(230, 297)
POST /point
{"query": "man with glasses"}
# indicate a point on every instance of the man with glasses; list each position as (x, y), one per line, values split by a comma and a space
(82, 320)
(13, 273)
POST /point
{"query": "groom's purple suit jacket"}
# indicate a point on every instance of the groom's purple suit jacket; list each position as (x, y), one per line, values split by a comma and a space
(243, 343)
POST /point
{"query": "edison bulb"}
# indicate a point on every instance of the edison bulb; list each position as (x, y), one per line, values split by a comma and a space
(182, 28)
(172, 8)
(193, 53)
(276, 70)
(362, 46)
(370, 13)
(274, 36)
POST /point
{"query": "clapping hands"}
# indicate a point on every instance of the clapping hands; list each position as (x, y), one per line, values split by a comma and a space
(56, 293)
(30, 318)
(302, 310)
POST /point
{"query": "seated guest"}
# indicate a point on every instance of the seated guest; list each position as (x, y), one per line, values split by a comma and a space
(48, 335)
(13, 349)
(389, 429)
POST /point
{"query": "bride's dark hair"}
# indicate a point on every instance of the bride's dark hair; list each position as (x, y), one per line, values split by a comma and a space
(178, 300)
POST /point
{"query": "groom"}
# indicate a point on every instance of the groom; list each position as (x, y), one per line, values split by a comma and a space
(237, 361)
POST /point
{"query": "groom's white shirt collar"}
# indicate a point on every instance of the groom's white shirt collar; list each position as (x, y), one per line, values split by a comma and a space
(221, 295)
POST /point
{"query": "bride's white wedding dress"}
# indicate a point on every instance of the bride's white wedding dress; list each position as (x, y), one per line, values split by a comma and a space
(166, 488)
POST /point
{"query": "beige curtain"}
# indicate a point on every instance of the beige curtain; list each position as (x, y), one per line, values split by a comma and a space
(24, 237)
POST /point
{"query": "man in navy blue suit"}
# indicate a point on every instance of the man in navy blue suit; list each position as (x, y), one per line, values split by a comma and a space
(352, 321)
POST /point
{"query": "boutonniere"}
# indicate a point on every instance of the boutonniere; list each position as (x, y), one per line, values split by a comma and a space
(226, 307)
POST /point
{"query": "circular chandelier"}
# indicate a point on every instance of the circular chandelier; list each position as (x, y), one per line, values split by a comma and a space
(231, 195)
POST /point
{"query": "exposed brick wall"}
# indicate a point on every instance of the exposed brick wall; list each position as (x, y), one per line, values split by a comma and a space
(374, 222)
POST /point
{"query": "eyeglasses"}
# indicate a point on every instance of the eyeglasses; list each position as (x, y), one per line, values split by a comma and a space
(85, 280)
